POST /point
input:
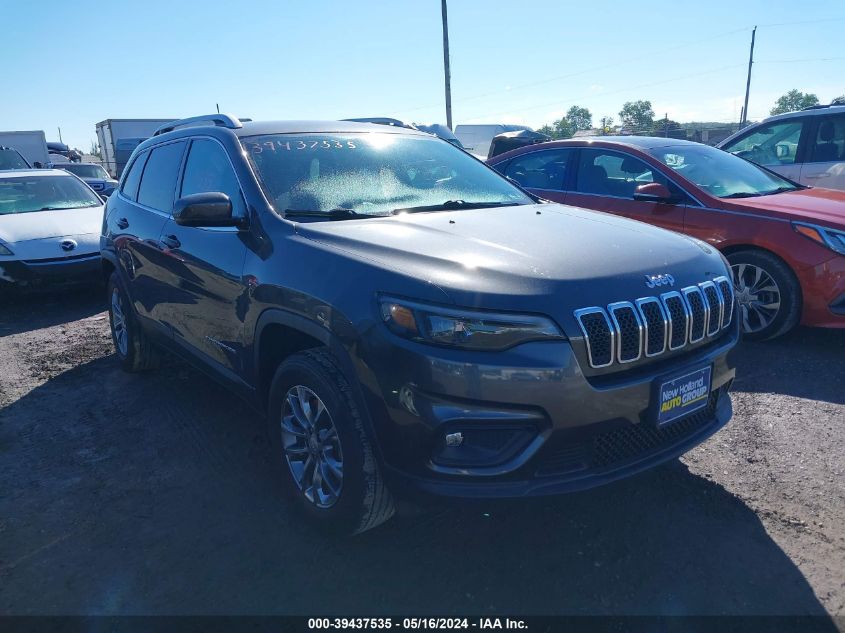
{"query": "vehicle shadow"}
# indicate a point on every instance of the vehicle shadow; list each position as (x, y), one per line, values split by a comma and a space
(27, 310)
(132, 494)
(24, 311)
(806, 363)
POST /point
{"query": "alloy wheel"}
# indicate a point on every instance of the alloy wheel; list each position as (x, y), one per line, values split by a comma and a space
(311, 447)
(758, 297)
(118, 323)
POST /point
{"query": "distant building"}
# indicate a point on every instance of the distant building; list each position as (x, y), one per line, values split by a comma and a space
(711, 136)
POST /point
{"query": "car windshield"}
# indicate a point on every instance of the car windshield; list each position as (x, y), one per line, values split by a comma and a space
(373, 174)
(720, 173)
(85, 170)
(25, 194)
(10, 159)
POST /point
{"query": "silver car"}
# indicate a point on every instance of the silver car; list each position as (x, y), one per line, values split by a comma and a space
(807, 146)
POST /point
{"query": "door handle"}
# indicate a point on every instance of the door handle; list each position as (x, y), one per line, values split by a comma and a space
(122, 223)
(171, 241)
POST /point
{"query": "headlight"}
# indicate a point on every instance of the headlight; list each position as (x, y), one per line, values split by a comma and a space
(831, 238)
(4, 250)
(466, 329)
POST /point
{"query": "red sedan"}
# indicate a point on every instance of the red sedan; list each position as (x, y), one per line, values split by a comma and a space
(785, 242)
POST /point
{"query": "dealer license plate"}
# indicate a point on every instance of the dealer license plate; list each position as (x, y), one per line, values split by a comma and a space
(682, 395)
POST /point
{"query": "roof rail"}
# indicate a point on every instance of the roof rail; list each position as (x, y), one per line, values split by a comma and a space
(220, 120)
(382, 120)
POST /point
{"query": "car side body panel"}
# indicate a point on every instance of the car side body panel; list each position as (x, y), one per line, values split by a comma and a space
(733, 224)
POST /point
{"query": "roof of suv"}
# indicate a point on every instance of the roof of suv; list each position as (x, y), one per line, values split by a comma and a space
(819, 110)
(253, 128)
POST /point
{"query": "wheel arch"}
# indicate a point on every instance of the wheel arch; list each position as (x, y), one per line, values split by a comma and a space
(279, 334)
(738, 248)
(109, 264)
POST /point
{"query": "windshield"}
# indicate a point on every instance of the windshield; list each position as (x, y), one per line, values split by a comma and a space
(85, 170)
(372, 174)
(25, 194)
(720, 173)
(10, 159)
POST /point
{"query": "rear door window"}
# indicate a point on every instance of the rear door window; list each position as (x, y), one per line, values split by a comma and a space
(158, 183)
(829, 143)
(545, 169)
(129, 188)
(772, 144)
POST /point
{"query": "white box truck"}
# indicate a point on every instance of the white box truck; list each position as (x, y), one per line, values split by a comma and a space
(118, 137)
(476, 138)
(32, 145)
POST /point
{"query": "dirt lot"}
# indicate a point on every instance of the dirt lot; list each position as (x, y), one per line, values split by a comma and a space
(156, 494)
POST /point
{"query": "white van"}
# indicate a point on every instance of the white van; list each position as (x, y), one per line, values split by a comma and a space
(476, 138)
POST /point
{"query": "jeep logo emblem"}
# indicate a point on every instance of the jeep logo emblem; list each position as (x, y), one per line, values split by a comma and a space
(652, 281)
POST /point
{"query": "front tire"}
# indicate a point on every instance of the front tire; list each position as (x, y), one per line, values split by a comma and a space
(768, 294)
(318, 432)
(134, 349)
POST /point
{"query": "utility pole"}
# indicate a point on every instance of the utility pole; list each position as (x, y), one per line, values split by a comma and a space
(666, 125)
(60, 136)
(744, 117)
(446, 65)
(218, 107)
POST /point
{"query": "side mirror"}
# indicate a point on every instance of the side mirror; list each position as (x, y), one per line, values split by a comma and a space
(782, 150)
(205, 209)
(103, 198)
(38, 164)
(653, 192)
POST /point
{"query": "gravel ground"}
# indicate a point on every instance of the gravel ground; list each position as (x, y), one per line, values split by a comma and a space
(155, 493)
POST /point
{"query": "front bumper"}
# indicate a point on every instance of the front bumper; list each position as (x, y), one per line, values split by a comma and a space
(56, 269)
(823, 290)
(531, 421)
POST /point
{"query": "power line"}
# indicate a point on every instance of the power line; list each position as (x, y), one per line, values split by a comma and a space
(547, 80)
(817, 21)
(795, 61)
(627, 88)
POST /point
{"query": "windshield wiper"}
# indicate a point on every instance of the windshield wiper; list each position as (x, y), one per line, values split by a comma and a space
(64, 208)
(742, 194)
(453, 205)
(338, 213)
(779, 190)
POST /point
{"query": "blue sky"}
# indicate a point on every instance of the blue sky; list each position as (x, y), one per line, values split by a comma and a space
(72, 64)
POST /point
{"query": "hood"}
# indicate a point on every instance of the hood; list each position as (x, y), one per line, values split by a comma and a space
(20, 227)
(545, 258)
(825, 206)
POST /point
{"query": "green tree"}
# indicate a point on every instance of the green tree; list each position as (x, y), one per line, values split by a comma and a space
(667, 127)
(547, 129)
(558, 130)
(637, 115)
(606, 125)
(840, 100)
(794, 100)
(579, 118)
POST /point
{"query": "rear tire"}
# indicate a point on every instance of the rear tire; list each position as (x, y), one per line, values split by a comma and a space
(317, 430)
(767, 292)
(133, 347)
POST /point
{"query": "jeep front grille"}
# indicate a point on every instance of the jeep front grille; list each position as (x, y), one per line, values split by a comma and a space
(624, 331)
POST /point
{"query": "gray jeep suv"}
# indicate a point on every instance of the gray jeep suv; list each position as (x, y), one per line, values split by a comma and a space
(410, 320)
